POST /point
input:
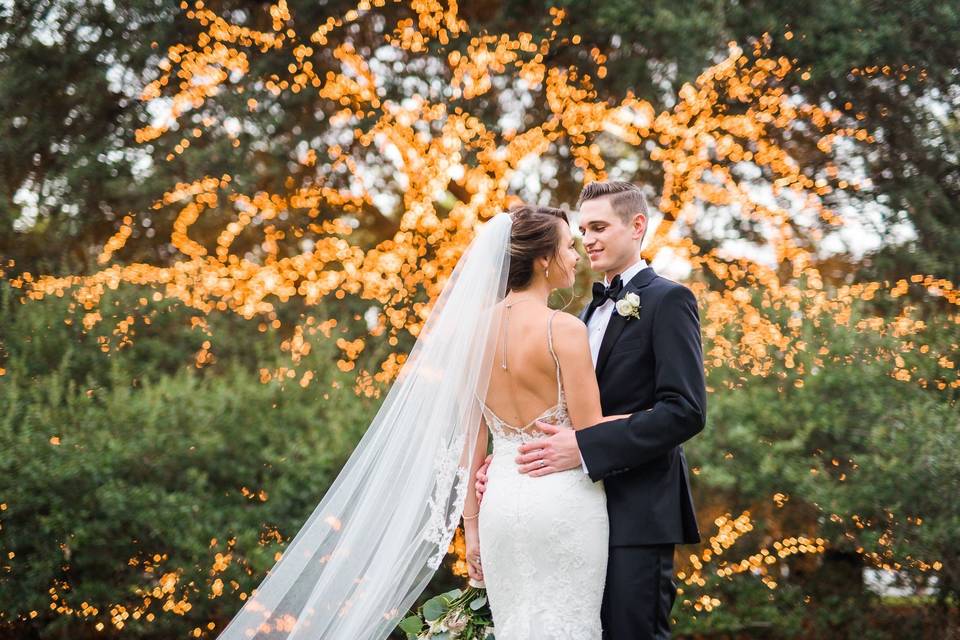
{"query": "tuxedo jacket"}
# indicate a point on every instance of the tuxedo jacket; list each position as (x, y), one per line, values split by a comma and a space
(650, 367)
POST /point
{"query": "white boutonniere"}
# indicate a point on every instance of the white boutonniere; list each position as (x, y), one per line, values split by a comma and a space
(629, 306)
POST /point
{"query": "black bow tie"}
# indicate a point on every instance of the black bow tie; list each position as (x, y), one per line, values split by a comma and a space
(601, 293)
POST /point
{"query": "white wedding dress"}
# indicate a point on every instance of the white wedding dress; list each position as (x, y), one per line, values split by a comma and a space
(543, 540)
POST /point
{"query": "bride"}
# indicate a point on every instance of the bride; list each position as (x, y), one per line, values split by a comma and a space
(541, 542)
(491, 359)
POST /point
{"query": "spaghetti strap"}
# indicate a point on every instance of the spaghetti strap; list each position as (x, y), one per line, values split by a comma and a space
(554, 354)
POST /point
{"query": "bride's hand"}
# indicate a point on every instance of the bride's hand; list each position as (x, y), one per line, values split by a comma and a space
(481, 479)
(474, 567)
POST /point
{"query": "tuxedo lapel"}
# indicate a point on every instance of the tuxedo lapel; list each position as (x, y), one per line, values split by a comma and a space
(583, 314)
(617, 322)
(616, 326)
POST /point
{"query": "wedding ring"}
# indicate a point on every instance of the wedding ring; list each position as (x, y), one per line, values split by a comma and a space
(543, 462)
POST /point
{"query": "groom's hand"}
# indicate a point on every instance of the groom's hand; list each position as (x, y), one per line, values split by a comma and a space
(558, 452)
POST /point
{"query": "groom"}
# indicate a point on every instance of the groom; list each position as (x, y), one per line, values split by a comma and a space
(649, 364)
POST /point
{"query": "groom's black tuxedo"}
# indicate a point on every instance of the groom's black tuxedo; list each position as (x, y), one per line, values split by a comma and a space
(652, 368)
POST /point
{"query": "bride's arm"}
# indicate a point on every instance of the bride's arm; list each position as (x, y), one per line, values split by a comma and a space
(572, 346)
(471, 509)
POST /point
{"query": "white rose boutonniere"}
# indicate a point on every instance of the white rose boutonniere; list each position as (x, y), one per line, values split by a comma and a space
(629, 306)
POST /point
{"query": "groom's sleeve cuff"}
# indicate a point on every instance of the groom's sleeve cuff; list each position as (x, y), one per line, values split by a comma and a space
(583, 464)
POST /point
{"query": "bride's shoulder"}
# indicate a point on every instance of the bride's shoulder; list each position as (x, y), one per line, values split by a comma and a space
(567, 326)
(562, 318)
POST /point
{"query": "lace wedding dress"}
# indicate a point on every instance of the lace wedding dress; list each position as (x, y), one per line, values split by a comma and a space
(543, 540)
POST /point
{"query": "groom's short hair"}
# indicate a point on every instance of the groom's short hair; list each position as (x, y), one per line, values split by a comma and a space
(626, 199)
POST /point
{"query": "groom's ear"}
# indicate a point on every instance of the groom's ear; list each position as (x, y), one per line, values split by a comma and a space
(638, 226)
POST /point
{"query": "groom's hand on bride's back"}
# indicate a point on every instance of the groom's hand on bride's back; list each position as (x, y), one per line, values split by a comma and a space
(557, 452)
(481, 484)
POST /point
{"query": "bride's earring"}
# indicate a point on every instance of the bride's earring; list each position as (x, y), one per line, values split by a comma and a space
(546, 273)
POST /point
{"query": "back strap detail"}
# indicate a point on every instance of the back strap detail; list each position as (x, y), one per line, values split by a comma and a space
(554, 354)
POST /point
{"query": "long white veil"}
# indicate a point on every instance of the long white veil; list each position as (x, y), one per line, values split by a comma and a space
(370, 547)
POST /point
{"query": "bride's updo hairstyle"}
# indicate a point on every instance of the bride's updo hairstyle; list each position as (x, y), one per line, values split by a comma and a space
(535, 233)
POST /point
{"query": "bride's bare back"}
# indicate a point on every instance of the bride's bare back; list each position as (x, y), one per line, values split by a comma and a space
(527, 388)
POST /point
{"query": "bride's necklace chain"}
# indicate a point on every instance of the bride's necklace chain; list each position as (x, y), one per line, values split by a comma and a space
(506, 325)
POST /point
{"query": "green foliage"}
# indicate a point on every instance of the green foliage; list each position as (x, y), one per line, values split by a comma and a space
(104, 464)
(459, 614)
(153, 458)
(70, 74)
(861, 459)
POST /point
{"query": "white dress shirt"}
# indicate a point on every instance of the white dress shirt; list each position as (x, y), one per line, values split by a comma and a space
(597, 324)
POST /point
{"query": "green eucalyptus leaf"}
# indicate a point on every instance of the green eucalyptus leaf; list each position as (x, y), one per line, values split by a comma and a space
(411, 626)
(434, 608)
(452, 595)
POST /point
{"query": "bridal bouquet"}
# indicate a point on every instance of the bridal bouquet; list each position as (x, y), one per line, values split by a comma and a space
(455, 615)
